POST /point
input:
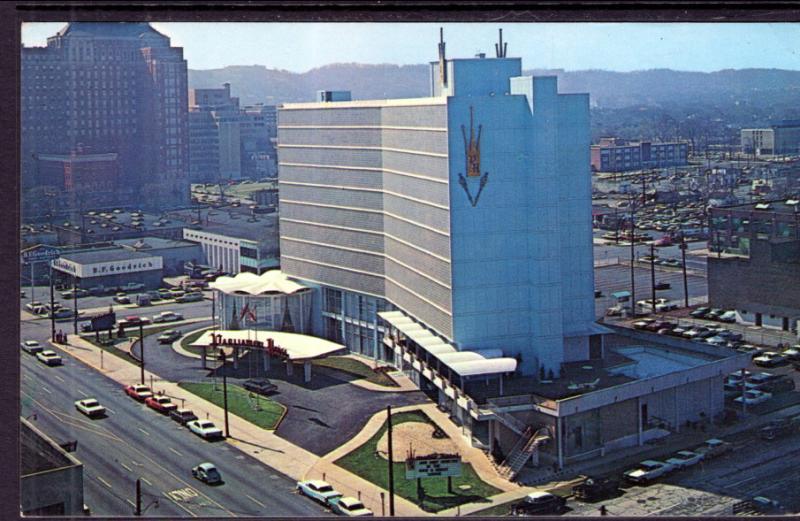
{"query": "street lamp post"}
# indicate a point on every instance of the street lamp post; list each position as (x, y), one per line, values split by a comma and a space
(52, 306)
(224, 391)
(685, 278)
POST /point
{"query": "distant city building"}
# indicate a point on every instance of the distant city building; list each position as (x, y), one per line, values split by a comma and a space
(333, 95)
(113, 88)
(80, 177)
(754, 263)
(51, 479)
(617, 155)
(229, 142)
(779, 139)
(758, 141)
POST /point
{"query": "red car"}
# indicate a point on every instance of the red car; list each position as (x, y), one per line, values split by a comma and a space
(138, 392)
(161, 404)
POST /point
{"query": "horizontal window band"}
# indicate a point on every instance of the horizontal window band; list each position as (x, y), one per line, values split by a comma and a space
(367, 147)
(366, 169)
(370, 190)
(362, 127)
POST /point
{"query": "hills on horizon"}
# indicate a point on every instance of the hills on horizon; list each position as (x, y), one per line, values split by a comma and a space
(608, 89)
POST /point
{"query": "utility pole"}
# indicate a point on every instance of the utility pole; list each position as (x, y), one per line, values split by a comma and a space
(75, 303)
(633, 272)
(138, 511)
(52, 306)
(653, 275)
(685, 278)
(141, 350)
(225, 391)
(391, 463)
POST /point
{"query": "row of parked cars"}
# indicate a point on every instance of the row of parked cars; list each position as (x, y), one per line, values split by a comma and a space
(718, 336)
(45, 356)
(324, 493)
(753, 389)
(649, 470)
(190, 294)
(163, 404)
(719, 315)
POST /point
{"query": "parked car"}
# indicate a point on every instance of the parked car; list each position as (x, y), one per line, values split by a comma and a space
(714, 313)
(778, 428)
(169, 337)
(205, 429)
(167, 316)
(700, 312)
(182, 416)
(349, 506)
(659, 324)
(716, 340)
(90, 407)
(138, 392)
(648, 471)
(62, 313)
(792, 354)
(133, 321)
(643, 323)
(753, 397)
(260, 386)
(685, 458)
(539, 502)
(661, 285)
(49, 357)
(781, 384)
(70, 294)
(33, 306)
(594, 489)
(161, 404)
(769, 359)
(318, 490)
(122, 298)
(31, 346)
(192, 296)
(713, 448)
(207, 473)
(728, 317)
(694, 332)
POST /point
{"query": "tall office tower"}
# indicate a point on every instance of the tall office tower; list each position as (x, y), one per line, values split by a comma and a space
(112, 88)
(215, 112)
(467, 214)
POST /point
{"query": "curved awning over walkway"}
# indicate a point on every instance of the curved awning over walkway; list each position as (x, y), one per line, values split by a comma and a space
(297, 346)
(245, 283)
(463, 363)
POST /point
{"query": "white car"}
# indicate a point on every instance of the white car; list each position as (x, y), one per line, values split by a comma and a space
(167, 316)
(90, 407)
(769, 359)
(685, 458)
(714, 447)
(205, 429)
(647, 471)
(49, 357)
(349, 506)
(318, 490)
(753, 397)
(31, 346)
(207, 473)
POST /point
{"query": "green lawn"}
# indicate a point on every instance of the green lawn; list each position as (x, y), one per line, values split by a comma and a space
(256, 409)
(365, 463)
(129, 333)
(356, 368)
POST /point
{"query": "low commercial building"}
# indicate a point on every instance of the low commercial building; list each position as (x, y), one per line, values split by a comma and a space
(758, 141)
(174, 254)
(617, 155)
(754, 262)
(234, 240)
(51, 479)
(782, 138)
(109, 268)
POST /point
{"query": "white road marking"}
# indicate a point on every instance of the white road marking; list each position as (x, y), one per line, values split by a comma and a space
(136, 463)
(81, 392)
(255, 500)
(145, 480)
(58, 378)
(110, 410)
(45, 389)
(106, 483)
(131, 503)
(175, 451)
(178, 503)
(143, 431)
(126, 467)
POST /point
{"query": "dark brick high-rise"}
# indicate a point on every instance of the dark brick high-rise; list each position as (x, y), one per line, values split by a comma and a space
(108, 88)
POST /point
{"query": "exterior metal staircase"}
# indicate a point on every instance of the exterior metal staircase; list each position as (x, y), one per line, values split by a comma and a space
(525, 447)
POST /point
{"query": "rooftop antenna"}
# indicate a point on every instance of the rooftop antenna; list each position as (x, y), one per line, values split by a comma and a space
(501, 48)
(442, 59)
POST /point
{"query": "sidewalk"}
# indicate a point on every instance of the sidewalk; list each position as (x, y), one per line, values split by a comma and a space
(265, 446)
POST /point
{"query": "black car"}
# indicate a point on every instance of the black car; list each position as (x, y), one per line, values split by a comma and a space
(182, 416)
(260, 386)
(700, 312)
(594, 489)
(663, 285)
(539, 503)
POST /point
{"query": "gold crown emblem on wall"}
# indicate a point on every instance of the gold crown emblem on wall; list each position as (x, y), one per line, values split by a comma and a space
(472, 151)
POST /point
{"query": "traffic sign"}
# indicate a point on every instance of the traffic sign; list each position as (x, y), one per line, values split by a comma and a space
(40, 253)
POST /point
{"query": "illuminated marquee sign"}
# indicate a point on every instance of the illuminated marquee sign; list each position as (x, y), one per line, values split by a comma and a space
(218, 340)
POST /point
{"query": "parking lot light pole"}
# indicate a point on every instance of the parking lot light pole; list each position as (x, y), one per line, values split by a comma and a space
(224, 391)
(653, 275)
(141, 349)
(52, 307)
(389, 459)
(75, 303)
(685, 278)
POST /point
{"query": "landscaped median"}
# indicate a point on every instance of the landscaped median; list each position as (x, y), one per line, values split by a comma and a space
(356, 368)
(254, 408)
(130, 334)
(191, 338)
(368, 462)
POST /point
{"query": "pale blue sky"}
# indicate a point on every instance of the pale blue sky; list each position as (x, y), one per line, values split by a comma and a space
(299, 47)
